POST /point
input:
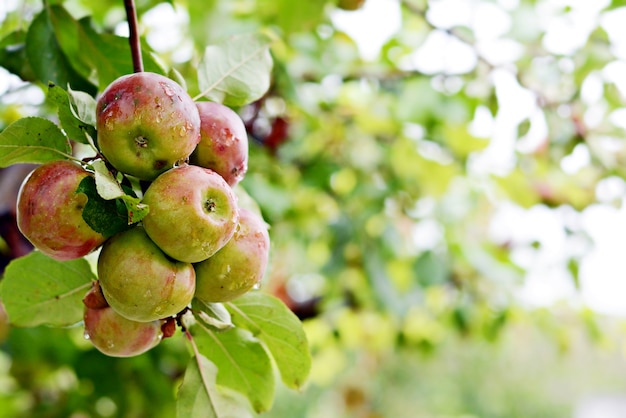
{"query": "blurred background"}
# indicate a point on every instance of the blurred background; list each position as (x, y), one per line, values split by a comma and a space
(444, 182)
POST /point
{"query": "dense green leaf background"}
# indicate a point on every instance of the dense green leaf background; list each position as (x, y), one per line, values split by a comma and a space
(372, 176)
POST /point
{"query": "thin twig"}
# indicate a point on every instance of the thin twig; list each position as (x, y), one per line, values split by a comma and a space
(135, 45)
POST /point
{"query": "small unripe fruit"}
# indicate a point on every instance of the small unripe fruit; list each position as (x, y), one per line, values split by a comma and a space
(146, 123)
(239, 266)
(116, 336)
(50, 211)
(139, 281)
(223, 145)
(193, 213)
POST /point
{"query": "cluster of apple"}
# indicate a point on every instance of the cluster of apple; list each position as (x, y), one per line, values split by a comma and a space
(195, 241)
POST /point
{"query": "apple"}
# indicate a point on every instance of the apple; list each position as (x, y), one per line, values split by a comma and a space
(146, 123)
(50, 212)
(4, 323)
(192, 213)
(94, 299)
(239, 266)
(139, 281)
(223, 143)
(116, 336)
(350, 4)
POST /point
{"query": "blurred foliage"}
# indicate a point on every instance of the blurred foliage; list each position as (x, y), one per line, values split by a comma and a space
(381, 179)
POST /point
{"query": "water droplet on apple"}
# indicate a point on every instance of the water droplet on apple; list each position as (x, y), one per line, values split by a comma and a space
(86, 335)
(167, 89)
(256, 286)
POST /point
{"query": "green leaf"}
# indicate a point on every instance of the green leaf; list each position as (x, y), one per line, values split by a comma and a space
(13, 55)
(200, 397)
(46, 57)
(107, 217)
(100, 57)
(243, 364)
(236, 72)
(32, 140)
(134, 208)
(37, 290)
(83, 106)
(213, 315)
(108, 189)
(271, 321)
(74, 127)
(106, 184)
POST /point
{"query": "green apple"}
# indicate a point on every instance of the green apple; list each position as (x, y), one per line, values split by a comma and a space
(139, 281)
(116, 336)
(239, 266)
(50, 212)
(192, 213)
(223, 145)
(146, 123)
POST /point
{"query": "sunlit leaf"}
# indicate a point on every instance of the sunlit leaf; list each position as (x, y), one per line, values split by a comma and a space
(243, 364)
(74, 127)
(237, 71)
(272, 322)
(32, 140)
(37, 290)
(212, 315)
(200, 397)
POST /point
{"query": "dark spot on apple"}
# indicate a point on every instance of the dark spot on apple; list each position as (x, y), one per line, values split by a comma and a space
(159, 164)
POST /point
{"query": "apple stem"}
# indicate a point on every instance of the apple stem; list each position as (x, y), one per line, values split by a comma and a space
(135, 45)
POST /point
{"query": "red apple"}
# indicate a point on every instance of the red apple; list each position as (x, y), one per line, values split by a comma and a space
(192, 213)
(239, 265)
(223, 145)
(146, 123)
(350, 4)
(116, 336)
(139, 281)
(50, 212)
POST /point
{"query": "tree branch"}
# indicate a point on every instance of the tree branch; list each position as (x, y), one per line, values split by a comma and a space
(135, 45)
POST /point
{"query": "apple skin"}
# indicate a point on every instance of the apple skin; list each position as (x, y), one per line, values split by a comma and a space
(50, 212)
(4, 323)
(146, 122)
(239, 265)
(116, 336)
(139, 281)
(193, 213)
(223, 145)
(350, 5)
